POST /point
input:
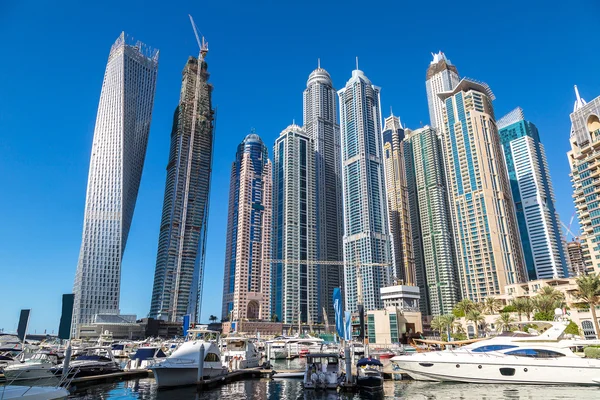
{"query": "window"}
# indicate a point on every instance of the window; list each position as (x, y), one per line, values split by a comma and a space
(212, 357)
(535, 353)
(588, 329)
(493, 347)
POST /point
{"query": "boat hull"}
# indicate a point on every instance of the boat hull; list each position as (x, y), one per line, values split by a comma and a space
(170, 377)
(28, 374)
(33, 393)
(370, 383)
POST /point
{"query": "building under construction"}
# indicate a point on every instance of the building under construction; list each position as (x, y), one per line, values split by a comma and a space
(179, 271)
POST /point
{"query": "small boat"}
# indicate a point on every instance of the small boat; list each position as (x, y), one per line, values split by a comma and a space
(122, 349)
(37, 367)
(322, 371)
(289, 375)
(144, 357)
(93, 361)
(181, 367)
(369, 374)
(12, 392)
(240, 353)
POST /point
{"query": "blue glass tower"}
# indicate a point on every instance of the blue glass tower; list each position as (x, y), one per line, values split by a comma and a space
(533, 196)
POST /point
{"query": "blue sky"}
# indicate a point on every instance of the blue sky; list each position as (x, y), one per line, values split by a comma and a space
(261, 53)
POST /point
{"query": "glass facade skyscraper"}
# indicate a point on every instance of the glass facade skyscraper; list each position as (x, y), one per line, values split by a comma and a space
(118, 153)
(368, 264)
(320, 124)
(533, 196)
(247, 278)
(441, 76)
(431, 221)
(294, 275)
(490, 255)
(179, 269)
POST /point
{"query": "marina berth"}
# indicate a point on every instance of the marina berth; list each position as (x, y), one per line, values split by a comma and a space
(240, 353)
(322, 371)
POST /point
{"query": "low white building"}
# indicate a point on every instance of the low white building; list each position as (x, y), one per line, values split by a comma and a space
(402, 296)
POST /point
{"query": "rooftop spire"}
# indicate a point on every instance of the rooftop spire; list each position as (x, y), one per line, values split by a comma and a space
(357, 62)
(579, 102)
(318, 63)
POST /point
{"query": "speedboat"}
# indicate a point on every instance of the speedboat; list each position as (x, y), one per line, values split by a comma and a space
(369, 374)
(144, 357)
(181, 367)
(542, 358)
(37, 367)
(122, 349)
(322, 371)
(240, 353)
(92, 362)
(11, 392)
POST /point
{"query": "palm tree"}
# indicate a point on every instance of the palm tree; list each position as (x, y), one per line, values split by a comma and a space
(213, 318)
(503, 321)
(551, 293)
(464, 306)
(476, 317)
(588, 290)
(491, 305)
(437, 324)
(546, 303)
(520, 306)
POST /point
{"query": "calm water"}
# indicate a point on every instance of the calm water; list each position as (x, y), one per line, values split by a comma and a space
(260, 389)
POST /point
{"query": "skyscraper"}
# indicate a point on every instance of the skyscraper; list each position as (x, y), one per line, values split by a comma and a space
(247, 280)
(585, 135)
(441, 77)
(431, 221)
(295, 289)
(533, 196)
(179, 270)
(576, 264)
(397, 202)
(368, 264)
(320, 124)
(485, 227)
(118, 152)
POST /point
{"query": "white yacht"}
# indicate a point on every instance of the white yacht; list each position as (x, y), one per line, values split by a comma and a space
(542, 358)
(144, 357)
(322, 371)
(12, 392)
(240, 353)
(37, 367)
(181, 367)
(279, 348)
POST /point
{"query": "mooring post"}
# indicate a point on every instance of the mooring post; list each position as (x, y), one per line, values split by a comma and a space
(201, 363)
(348, 360)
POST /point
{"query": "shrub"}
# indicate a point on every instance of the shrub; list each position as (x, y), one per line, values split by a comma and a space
(509, 308)
(572, 328)
(543, 316)
(592, 352)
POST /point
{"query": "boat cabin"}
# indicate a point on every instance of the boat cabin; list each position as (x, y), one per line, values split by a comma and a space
(322, 362)
(203, 335)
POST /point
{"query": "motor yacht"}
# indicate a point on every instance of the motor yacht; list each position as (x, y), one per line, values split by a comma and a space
(11, 392)
(37, 367)
(322, 371)
(181, 367)
(144, 357)
(122, 349)
(537, 358)
(92, 361)
(240, 353)
(369, 374)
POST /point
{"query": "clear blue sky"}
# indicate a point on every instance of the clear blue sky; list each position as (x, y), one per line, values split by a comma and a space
(53, 59)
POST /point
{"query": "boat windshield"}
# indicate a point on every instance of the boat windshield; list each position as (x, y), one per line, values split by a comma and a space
(206, 336)
(92, 357)
(147, 353)
(493, 347)
(322, 360)
(118, 346)
(535, 353)
(236, 345)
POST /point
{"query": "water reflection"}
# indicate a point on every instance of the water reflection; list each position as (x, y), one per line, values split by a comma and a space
(292, 389)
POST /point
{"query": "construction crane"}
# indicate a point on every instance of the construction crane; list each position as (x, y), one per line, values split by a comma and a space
(568, 228)
(201, 44)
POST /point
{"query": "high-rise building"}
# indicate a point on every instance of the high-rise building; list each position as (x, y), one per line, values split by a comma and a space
(533, 197)
(585, 137)
(397, 202)
(294, 281)
(247, 280)
(179, 270)
(118, 152)
(576, 264)
(441, 76)
(431, 221)
(485, 226)
(367, 258)
(320, 124)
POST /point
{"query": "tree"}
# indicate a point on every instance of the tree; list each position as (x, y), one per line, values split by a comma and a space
(503, 321)
(213, 318)
(476, 317)
(588, 290)
(551, 293)
(572, 329)
(491, 305)
(463, 307)
(274, 318)
(438, 324)
(522, 305)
